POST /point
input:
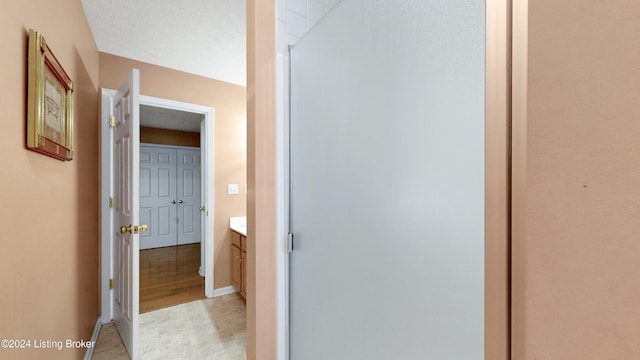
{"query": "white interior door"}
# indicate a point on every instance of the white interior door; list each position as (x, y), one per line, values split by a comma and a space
(158, 196)
(189, 196)
(126, 178)
(387, 182)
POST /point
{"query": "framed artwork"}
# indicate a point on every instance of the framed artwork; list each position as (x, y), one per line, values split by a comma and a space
(49, 102)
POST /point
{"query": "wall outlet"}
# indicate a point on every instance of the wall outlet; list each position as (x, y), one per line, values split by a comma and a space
(232, 189)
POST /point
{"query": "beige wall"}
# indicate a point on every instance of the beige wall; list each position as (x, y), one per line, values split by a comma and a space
(49, 217)
(261, 177)
(229, 101)
(151, 135)
(576, 243)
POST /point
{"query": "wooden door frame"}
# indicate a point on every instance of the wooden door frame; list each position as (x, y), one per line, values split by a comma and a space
(519, 51)
(106, 190)
(498, 180)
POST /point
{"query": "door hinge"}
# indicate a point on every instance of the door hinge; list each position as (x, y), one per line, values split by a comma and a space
(112, 284)
(111, 202)
(112, 121)
(289, 242)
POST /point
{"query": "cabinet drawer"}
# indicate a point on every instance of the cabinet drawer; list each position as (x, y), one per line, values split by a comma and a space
(235, 239)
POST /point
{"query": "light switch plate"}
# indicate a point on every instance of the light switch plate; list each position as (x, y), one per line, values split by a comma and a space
(232, 189)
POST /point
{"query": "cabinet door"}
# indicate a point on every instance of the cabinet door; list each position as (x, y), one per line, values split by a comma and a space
(243, 260)
(236, 268)
(188, 196)
(236, 239)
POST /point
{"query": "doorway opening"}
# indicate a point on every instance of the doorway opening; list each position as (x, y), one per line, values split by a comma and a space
(204, 208)
(171, 198)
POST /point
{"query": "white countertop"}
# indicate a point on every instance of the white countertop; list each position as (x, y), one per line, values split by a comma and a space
(238, 224)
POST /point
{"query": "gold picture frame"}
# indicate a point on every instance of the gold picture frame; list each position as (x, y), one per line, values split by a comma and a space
(49, 102)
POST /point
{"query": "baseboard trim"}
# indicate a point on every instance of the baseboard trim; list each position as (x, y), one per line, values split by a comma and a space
(94, 339)
(224, 291)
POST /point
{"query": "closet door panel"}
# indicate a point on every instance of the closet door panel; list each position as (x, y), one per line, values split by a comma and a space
(189, 195)
(146, 189)
(166, 221)
(158, 190)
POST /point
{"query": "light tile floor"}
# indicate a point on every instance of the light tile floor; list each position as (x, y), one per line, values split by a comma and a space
(204, 329)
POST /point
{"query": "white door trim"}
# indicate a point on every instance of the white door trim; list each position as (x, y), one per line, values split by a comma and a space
(282, 205)
(203, 190)
(106, 221)
(206, 177)
(106, 214)
(162, 146)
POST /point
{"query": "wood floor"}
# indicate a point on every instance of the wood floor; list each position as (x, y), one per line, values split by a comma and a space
(169, 276)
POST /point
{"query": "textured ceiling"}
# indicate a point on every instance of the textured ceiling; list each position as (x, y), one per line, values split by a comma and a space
(202, 37)
(170, 119)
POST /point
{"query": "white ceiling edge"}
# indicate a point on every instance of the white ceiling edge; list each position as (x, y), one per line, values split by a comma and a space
(163, 118)
(201, 37)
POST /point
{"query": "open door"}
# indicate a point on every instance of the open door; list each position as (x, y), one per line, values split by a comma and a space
(126, 229)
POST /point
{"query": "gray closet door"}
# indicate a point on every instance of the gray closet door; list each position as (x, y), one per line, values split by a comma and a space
(169, 196)
(189, 195)
(387, 182)
(158, 196)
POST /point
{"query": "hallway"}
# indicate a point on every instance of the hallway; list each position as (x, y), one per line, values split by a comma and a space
(205, 329)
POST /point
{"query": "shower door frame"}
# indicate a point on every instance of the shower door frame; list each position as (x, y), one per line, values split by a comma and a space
(505, 70)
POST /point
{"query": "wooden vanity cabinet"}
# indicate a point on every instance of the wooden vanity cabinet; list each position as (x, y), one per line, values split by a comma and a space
(238, 262)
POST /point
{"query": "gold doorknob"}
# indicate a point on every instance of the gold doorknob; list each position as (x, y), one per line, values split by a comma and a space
(202, 208)
(124, 229)
(144, 227)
